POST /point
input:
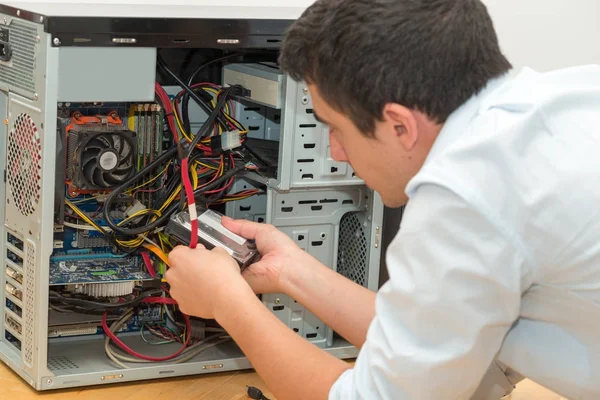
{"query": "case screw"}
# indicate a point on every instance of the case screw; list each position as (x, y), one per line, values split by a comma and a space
(56, 41)
(277, 301)
(35, 96)
(37, 38)
(305, 90)
(41, 19)
(18, 13)
(49, 382)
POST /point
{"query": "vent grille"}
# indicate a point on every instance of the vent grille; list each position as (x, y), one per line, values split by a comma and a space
(20, 72)
(24, 164)
(29, 303)
(61, 363)
(353, 250)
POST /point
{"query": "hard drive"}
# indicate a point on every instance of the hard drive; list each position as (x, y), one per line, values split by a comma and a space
(211, 234)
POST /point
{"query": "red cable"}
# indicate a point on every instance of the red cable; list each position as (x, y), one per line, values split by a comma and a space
(154, 300)
(148, 263)
(166, 103)
(189, 192)
(228, 183)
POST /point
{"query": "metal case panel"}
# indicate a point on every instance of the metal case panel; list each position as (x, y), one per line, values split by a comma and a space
(30, 155)
(340, 228)
(19, 73)
(263, 81)
(253, 208)
(106, 74)
(304, 156)
(24, 165)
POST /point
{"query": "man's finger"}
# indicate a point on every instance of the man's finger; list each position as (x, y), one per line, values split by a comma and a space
(174, 255)
(220, 250)
(200, 246)
(244, 228)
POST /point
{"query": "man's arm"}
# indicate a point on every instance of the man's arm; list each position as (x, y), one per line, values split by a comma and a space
(453, 294)
(343, 305)
(455, 285)
(291, 367)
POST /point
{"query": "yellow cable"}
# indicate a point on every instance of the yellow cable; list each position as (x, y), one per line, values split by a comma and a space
(170, 199)
(138, 214)
(159, 253)
(82, 215)
(153, 178)
(206, 165)
(194, 172)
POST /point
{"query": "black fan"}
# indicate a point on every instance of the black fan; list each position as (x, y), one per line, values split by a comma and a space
(107, 159)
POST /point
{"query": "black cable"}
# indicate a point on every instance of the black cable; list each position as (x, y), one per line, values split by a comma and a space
(223, 178)
(170, 186)
(120, 189)
(208, 63)
(185, 102)
(255, 393)
(214, 114)
(185, 107)
(207, 126)
(194, 95)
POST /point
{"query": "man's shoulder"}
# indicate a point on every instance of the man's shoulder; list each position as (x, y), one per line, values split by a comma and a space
(528, 90)
(514, 136)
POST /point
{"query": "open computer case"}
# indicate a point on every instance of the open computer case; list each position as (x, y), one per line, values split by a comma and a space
(87, 106)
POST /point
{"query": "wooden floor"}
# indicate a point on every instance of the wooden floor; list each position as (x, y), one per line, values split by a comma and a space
(223, 386)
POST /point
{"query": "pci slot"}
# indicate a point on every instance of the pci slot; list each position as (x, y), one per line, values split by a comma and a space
(12, 339)
(15, 308)
(14, 242)
(14, 274)
(14, 289)
(12, 325)
(14, 300)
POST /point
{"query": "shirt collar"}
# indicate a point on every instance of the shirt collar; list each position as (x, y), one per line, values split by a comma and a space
(463, 115)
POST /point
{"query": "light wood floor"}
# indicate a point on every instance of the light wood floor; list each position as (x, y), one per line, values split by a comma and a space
(222, 386)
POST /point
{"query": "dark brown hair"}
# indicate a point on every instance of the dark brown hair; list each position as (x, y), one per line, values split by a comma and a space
(428, 55)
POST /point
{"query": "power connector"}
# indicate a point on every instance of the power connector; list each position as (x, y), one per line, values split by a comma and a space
(226, 141)
(255, 393)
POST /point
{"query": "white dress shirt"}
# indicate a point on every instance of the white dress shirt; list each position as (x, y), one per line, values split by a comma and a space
(498, 254)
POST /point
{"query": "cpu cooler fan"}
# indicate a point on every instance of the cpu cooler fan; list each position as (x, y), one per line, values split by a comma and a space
(101, 153)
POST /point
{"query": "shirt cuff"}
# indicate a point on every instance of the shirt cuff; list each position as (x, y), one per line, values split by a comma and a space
(343, 388)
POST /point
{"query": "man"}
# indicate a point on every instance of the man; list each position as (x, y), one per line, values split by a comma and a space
(499, 251)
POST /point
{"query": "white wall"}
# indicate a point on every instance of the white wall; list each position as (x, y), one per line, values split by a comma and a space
(548, 34)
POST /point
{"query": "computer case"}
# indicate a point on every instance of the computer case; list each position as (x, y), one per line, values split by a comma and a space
(61, 57)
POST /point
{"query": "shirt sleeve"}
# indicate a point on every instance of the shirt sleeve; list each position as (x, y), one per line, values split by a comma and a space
(454, 292)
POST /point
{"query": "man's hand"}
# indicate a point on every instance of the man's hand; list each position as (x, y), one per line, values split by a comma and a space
(200, 278)
(278, 254)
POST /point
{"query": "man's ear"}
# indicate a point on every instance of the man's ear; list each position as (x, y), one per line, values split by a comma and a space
(403, 123)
